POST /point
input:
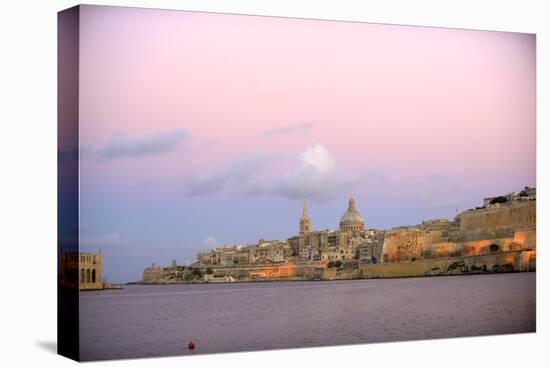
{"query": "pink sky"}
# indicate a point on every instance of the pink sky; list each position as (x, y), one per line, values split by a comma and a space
(415, 104)
(376, 95)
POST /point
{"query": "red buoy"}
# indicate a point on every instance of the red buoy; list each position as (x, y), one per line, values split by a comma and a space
(191, 345)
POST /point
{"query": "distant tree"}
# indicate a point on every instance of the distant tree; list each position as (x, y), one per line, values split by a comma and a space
(196, 273)
(499, 200)
(524, 192)
(209, 271)
(337, 264)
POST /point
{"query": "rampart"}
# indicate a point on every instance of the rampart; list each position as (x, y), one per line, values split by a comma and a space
(495, 229)
(499, 236)
(497, 220)
(491, 263)
(201, 273)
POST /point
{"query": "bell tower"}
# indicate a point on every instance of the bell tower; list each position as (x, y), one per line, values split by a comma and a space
(305, 224)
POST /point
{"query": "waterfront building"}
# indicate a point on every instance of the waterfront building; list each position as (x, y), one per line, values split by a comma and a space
(498, 236)
(81, 270)
(330, 245)
(325, 245)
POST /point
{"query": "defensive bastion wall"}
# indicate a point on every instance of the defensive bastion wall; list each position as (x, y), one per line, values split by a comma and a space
(224, 273)
(522, 260)
(491, 263)
(478, 232)
(517, 215)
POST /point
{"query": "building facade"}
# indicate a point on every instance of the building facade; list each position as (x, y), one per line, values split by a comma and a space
(351, 242)
(81, 270)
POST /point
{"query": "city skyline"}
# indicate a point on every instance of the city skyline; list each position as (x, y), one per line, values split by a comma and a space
(203, 132)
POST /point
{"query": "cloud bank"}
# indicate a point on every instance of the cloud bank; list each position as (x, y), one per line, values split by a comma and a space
(240, 173)
(316, 177)
(122, 146)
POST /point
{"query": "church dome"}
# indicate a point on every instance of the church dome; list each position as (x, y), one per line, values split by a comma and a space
(352, 220)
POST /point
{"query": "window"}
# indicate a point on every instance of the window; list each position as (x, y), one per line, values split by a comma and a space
(93, 276)
(87, 275)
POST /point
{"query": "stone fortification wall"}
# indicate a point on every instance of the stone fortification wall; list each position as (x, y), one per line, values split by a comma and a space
(151, 275)
(406, 245)
(283, 271)
(498, 228)
(409, 244)
(498, 220)
(200, 273)
(340, 274)
(491, 263)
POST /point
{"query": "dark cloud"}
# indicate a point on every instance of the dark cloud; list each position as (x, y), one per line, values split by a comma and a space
(122, 146)
(293, 129)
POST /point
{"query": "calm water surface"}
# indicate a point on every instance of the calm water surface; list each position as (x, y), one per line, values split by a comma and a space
(142, 321)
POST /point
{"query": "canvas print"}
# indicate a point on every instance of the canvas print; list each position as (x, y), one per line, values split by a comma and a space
(241, 183)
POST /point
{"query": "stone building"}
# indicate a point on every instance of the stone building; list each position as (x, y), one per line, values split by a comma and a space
(152, 273)
(269, 252)
(370, 250)
(325, 245)
(328, 245)
(351, 220)
(305, 223)
(81, 270)
(225, 256)
(264, 252)
(236, 255)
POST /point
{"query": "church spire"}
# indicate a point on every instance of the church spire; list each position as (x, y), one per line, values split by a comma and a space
(305, 224)
(304, 210)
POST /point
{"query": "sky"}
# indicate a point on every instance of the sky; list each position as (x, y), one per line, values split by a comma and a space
(201, 129)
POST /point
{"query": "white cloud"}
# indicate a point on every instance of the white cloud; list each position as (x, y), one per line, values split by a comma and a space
(317, 177)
